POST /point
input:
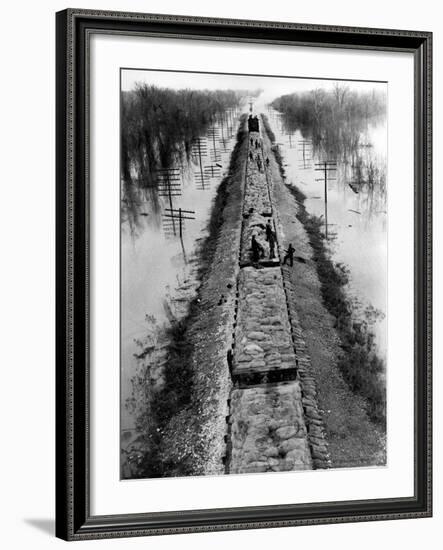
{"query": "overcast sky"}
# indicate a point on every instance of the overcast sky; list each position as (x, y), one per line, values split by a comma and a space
(272, 86)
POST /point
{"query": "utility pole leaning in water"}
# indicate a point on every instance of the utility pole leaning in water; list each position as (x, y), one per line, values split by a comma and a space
(199, 150)
(326, 167)
(304, 147)
(169, 185)
(180, 215)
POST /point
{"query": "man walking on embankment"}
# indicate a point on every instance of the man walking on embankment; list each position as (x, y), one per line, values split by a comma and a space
(289, 255)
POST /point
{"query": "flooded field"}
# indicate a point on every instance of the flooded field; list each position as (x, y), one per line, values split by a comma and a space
(159, 274)
(356, 212)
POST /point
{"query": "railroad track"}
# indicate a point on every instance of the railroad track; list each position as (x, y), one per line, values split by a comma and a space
(267, 426)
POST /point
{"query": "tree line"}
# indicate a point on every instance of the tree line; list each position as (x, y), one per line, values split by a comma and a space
(332, 118)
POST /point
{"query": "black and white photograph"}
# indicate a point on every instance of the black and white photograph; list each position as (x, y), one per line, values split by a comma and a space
(253, 274)
(220, 228)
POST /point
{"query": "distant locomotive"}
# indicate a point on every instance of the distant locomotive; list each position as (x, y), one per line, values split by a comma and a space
(253, 123)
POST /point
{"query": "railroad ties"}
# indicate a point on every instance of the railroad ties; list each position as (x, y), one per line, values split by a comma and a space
(266, 424)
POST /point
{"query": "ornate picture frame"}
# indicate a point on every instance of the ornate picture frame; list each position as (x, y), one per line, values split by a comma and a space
(74, 520)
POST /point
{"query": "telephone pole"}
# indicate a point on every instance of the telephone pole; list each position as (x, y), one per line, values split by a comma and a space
(169, 185)
(304, 147)
(180, 215)
(326, 167)
(199, 149)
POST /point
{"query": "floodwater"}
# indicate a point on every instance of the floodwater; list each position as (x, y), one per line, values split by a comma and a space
(158, 268)
(356, 215)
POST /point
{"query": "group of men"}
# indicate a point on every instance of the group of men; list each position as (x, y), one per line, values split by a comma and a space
(255, 143)
(258, 250)
(258, 160)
